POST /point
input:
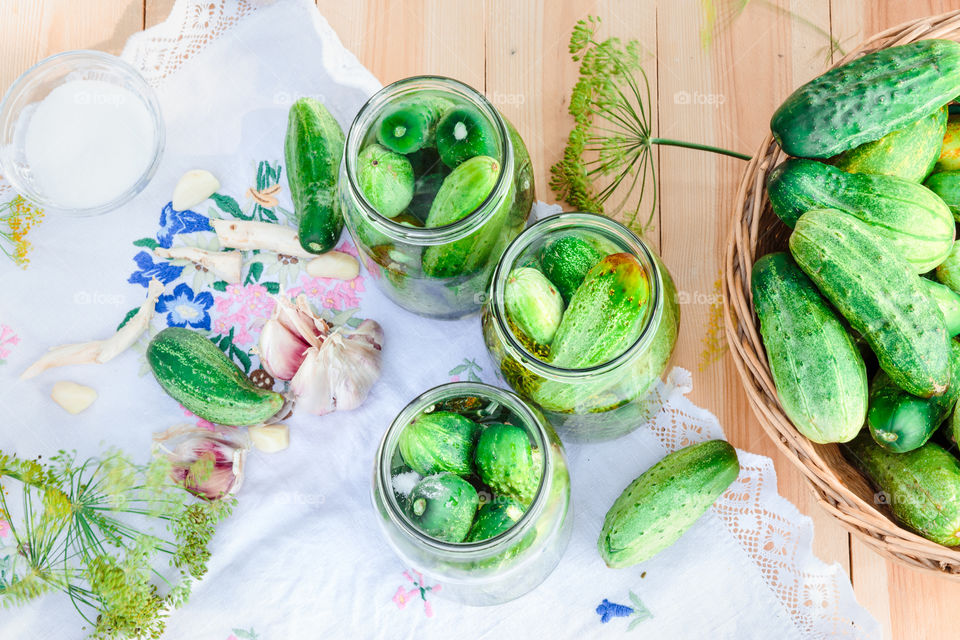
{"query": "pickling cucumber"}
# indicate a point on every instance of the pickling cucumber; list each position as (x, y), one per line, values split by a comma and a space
(494, 518)
(386, 179)
(312, 150)
(198, 375)
(566, 260)
(533, 305)
(410, 125)
(820, 378)
(867, 98)
(659, 506)
(439, 441)
(443, 506)
(949, 159)
(464, 132)
(946, 185)
(605, 315)
(506, 462)
(909, 153)
(948, 301)
(922, 487)
(902, 422)
(910, 218)
(948, 271)
(879, 294)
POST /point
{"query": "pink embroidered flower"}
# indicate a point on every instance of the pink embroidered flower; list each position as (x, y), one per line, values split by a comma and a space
(241, 308)
(4, 528)
(206, 424)
(8, 340)
(403, 596)
(330, 294)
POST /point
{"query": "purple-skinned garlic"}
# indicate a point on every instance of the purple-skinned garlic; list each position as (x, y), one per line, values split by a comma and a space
(207, 463)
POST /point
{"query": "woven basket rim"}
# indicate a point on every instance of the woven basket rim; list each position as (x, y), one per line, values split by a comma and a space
(854, 513)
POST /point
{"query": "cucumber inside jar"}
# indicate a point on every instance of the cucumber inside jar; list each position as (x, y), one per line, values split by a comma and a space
(466, 470)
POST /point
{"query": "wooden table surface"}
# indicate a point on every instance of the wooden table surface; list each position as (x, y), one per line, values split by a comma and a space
(718, 90)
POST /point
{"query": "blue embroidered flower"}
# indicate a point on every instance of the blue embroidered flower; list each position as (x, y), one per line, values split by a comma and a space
(184, 308)
(162, 271)
(609, 610)
(174, 222)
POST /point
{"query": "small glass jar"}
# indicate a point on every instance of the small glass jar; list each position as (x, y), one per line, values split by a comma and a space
(612, 398)
(395, 250)
(500, 568)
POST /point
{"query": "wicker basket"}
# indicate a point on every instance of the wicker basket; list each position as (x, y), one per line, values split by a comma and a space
(756, 231)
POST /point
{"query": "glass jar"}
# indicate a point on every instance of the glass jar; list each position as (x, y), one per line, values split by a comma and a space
(612, 398)
(500, 568)
(436, 271)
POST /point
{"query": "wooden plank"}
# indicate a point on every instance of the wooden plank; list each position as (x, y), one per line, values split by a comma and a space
(34, 29)
(156, 11)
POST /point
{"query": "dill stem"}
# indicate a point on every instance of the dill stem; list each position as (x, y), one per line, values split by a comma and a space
(701, 147)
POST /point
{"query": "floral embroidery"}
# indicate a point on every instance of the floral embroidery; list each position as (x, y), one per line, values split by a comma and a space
(261, 199)
(199, 277)
(468, 368)
(243, 634)
(148, 269)
(4, 528)
(17, 218)
(241, 309)
(405, 595)
(184, 308)
(8, 340)
(609, 610)
(176, 222)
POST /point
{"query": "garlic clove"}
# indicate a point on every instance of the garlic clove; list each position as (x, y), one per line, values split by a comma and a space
(281, 351)
(207, 463)
(73, 397)
(193, 188)
(334, 264)
(270, 438)
(226, 264)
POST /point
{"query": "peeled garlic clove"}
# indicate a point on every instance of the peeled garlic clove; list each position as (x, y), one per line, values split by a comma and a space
(281, 351)
(193, 188)
(207, 463)
(334, 264)
(270, 438)
(72, 396)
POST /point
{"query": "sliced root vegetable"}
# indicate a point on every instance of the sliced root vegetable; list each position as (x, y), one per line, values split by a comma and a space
(73, 397)
(248, 235)
(100, 351)
(193, 188)
(334, 264)
(270, 438)
(226, 264)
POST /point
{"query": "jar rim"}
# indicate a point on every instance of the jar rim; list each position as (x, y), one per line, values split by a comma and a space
(388, 445)
(571, 220)
(432, 235)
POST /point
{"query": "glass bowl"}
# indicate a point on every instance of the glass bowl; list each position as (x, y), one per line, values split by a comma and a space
(20, 105)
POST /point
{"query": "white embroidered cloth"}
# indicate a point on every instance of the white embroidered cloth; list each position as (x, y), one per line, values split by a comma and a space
(302, 556)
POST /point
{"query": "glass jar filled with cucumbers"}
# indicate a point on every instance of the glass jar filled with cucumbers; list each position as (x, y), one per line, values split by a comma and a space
(581, 320)
(434, 183)
(472, 489)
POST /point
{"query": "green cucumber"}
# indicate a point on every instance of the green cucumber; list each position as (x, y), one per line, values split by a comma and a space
(409, 125)
(464, 132)
(946, 185)
(951, 427)
(909, 153)
(533, 306)
(386, 179)
(921, 486)
(463, 192)
(948, 271)
(820, 377)
(949, 159)
(312, 151)
(867, 98)
(948, 301)
(506, 462)
(198, 375)
(566, 260)
(439, 441)
(605, 315)
(425, 190)
(494, 518)
(907, 215)
(878, 293)
(443, 506)
(659, 506)
(902, 422)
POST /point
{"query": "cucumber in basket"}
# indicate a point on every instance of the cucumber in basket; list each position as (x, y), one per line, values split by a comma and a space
(868, 98)
(203, 379)
(911, 218)
(879, 294)
(820, 377)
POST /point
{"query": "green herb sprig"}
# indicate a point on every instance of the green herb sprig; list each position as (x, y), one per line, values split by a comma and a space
(96, 530)
(612, 138)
